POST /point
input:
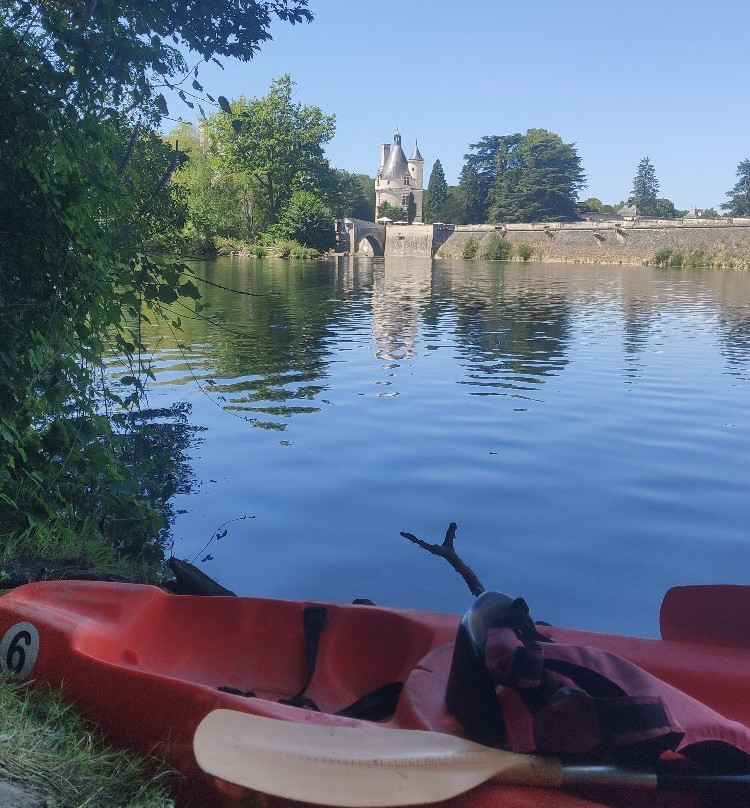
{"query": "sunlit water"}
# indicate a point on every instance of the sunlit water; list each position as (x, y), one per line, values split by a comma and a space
(587, 427)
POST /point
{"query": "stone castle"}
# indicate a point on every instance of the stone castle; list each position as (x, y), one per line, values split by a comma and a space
(398, 177)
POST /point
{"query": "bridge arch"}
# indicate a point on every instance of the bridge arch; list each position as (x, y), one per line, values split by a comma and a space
(369, 245)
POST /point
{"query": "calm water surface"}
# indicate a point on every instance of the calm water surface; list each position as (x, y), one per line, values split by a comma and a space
(587, 427)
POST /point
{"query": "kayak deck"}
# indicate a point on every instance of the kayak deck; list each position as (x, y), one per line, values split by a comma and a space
(147, 667)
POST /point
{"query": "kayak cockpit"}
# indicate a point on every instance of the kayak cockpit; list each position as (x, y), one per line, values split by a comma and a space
(260, 647)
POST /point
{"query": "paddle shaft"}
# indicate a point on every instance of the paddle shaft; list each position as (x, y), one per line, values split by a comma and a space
(620, 777)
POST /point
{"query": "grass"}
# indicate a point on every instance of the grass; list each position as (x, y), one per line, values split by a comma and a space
(84, 550)
(50, 752)
(45, 748)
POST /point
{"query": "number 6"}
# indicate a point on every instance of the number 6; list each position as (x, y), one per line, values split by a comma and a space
(19, 649)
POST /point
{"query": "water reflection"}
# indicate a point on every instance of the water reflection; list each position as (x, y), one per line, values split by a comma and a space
(511, 335)
(263, 348)
(596, 416)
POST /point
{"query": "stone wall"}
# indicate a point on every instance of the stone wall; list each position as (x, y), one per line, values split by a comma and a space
(414, 240)
(718, 242)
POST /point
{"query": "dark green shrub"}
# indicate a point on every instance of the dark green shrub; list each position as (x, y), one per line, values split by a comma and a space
(662, 257)
(471, 248)
(524, 251)
(496, 248)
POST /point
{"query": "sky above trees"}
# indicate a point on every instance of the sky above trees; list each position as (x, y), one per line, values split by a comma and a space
(618, 81)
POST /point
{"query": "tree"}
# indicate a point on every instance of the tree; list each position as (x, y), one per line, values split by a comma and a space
(84, 189)
(411, 207)
(489, 159)
(275, 143)
(436, 194)
(217, 203)
(385, 209)
(739, 196)
(472, 198)
(540, 183)
(645, 188)
(307, 220)
(351, 195)
(665, 209)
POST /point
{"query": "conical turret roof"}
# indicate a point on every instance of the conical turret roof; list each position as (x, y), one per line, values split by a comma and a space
(395, 166)
(416, 155)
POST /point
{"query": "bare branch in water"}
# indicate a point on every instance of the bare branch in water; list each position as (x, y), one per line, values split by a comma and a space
(447, 551)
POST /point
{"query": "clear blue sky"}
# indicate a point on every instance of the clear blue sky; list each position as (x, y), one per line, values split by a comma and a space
(662, 79)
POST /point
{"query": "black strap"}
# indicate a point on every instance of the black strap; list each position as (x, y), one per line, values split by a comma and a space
(313, 623)
(377, 705)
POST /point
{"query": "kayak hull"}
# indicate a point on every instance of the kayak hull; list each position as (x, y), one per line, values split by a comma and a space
(148, 666)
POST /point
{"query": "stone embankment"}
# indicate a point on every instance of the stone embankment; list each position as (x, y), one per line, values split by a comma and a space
(700, 242)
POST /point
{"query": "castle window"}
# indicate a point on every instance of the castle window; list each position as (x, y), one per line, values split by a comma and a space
(406, 180)
(404, 201)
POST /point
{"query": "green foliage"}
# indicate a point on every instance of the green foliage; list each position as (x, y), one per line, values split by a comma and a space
(496, 248)
(390, 211)
(665, 209)
(738, 203)
(273, 147)
(668, 257)
(524, 251)
(662, 257)
(645, 188)
(307, 220)
(84, 190)
(472, 199)
(411, 208)
(217, 202)
(453, 210)
(489, 159)
(540, 180)
(351, 195)
(697, 259)
(286, 248)
(597, 206)
(709, 213)
(436, 195)
(471, 248)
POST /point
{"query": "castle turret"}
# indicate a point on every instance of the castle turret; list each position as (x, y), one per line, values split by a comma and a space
(399, 177)
(416, 167)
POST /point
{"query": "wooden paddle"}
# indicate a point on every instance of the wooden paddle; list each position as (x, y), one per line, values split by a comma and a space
(713, 614)
(362, 766)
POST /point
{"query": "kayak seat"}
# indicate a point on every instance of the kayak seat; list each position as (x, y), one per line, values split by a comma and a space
(470, 691)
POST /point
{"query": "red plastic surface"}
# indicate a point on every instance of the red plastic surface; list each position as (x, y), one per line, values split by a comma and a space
(146, 666)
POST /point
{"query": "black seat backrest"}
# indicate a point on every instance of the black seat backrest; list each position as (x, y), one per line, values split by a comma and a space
(470, 692)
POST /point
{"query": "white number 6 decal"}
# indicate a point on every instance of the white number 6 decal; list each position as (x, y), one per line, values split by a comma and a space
(19, 649)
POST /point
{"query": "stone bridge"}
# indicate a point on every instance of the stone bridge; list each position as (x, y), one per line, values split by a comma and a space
(359, 236)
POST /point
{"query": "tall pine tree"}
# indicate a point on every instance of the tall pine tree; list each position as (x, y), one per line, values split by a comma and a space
(645, 188)
(436, 194)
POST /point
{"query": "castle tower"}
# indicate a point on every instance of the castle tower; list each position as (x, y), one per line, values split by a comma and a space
(398, 177)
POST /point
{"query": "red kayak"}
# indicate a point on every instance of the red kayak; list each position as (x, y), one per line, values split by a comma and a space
(149, 667)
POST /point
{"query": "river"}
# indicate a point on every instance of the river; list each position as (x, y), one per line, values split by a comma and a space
(587, 427)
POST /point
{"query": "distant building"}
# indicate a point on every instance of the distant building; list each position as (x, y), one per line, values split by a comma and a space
(398, 177)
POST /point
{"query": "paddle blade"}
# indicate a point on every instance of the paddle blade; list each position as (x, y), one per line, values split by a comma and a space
(354, 766)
